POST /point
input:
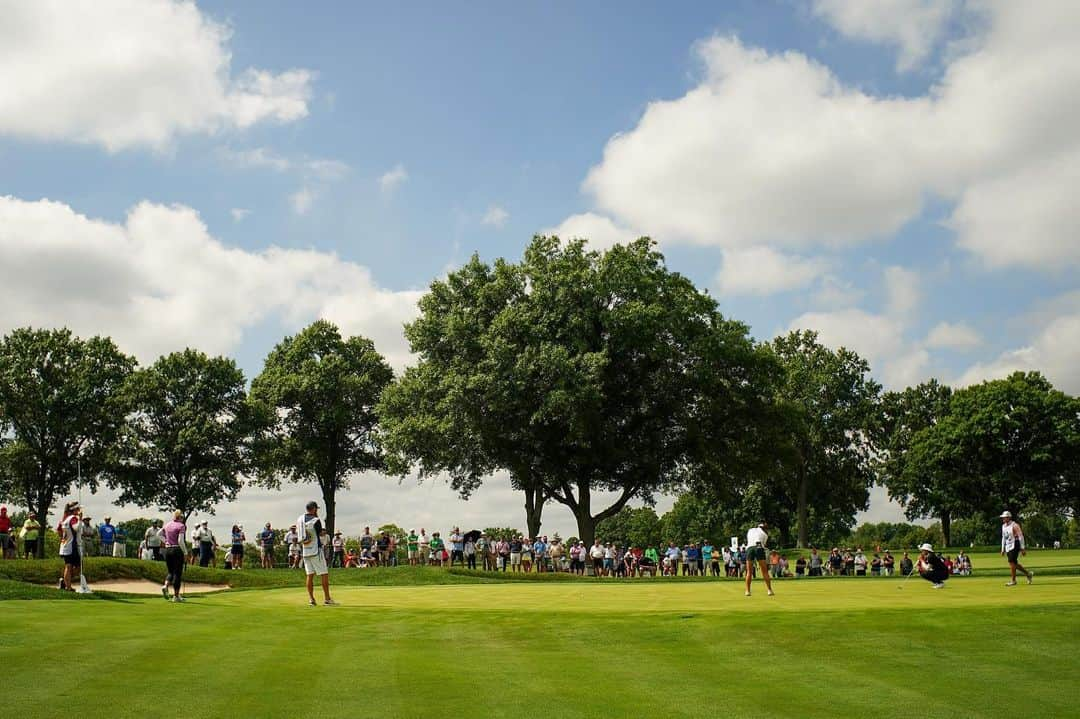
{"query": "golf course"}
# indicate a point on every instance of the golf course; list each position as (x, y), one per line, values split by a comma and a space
(425, 642)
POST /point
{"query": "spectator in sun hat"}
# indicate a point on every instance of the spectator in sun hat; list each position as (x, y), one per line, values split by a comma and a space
(31, 530)
(107, 535)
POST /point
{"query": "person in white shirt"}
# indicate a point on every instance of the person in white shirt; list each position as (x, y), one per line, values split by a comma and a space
(1012, 546)
(292, 539)
(756, 541)
(311, 532)
(154, 540)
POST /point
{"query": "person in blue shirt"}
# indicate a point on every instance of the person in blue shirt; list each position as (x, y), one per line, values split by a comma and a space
(693, 554)
(266, 545)
(540, 553)
(107, 534)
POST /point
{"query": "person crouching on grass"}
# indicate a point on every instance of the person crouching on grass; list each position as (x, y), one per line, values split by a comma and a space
(310, 529)
(756, 540)
(931, 567)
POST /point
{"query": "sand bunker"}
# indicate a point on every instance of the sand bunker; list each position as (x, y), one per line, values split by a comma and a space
(145, 586)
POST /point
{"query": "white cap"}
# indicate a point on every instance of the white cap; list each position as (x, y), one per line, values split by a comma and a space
(1006, 514)
(925, 547)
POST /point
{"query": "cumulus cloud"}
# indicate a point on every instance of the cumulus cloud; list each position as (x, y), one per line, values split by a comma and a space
(495, 217)
(159, 282)
(774, 149)
(260, 158)
(600, 231)
(955, 336)
(764, 271)
(903, 290)
(239, 214)
(393, 179)
(131, 73)
(914, 27)
(1053, 350)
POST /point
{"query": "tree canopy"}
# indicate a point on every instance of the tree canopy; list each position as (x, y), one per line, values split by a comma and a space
(182, 444)
(315, 400)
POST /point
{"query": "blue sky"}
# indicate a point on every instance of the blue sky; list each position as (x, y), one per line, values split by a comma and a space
(897, 175)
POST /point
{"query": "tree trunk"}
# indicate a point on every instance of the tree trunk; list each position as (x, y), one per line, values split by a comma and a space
(803, 511)
(586, 527)
(42, 511)
(533, 509)
(329, 506)
(946, 526)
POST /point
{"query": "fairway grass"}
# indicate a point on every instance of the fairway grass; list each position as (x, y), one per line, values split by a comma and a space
(857, 648)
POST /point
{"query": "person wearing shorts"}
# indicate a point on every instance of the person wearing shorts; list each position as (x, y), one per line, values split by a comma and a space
(310, 529)
(236, 549)
(31, 529)
(293, 540)
(756, 540)
(119, 549)
(412, 547)
(69, 543)
(596, 554)
(266, 547)
(1012, 546)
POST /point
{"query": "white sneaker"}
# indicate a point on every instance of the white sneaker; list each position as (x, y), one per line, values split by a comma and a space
(748, 594)
(330, 603)
(311, 602)
(939, 585)
(1011, 584)
(771, 593)
(1030, 575)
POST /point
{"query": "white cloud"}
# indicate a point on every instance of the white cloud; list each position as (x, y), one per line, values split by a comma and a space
(302, 200)
(874, 337)
(599, 230)
(1054, 351)
(495, 217)
(773, 149)
(159, 282)
(764, 271)
(130, 73)
(903, 291)
(265, 158)
(949, 335)
(393, 179)
(913, 26)
(239, 214)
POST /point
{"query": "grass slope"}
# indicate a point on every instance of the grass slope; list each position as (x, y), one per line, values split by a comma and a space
(557, 649)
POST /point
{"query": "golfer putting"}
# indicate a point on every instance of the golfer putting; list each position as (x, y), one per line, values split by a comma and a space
(931, 567)
(1012, 546)
(756, 541)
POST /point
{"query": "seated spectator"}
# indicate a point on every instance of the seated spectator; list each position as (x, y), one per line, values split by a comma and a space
(351, 559)
(647, 565)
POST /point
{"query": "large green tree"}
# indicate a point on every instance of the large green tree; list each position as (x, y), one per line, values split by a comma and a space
(831, 401)
(1012, 443)
(578, 371)
(902, 416)
(316, 400)
(182, 444)
(61, 408)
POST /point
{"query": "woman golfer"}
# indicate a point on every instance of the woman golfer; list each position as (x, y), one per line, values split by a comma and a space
(756, 540)
(69, 543)
(175, 552)
(931, 567)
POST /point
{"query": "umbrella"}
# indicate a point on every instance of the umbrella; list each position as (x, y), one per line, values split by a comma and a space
(472, 535)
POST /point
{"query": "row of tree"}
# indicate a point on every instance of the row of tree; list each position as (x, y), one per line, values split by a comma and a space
(577, 373)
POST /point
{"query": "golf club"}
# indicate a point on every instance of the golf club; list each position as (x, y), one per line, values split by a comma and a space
(909, 576)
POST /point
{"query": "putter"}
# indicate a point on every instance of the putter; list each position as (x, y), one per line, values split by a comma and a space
(913, 573)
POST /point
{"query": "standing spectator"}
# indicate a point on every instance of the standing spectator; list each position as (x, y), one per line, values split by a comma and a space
(437, 547)
(483, 549)
(706, 556)
(849, 563)
(153, 540)
(366, 540)
(175, 551)
(236, 548)
(526, 555)
(540, 549)
(905, 565)
(382, 545)
(800, 567)
(859, 562)
(266, 547)
(120, 542)
(653, 556)
(875, 566)
(470, 553)
(207, 544)
(5, 532)
(311, 530)
(693, 557)
(324, 538)
(457, 547)
(107, 535)
(836, 562)
(412, 547)
(31, 530)
(684, 558)
(70, 539)
(425, 547)
(774, 563)
(815, 562)
(673, 554)
(610, 555)
(503, 549)
(292, 539)
(339, 549)
(756, 540)
(596, 554)
(887, 564)
(89, 536)
(193, 546)
(515, 554)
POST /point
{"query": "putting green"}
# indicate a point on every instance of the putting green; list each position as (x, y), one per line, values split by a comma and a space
(852, 648)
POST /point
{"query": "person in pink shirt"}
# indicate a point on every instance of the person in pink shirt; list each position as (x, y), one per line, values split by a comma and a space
(175, 551)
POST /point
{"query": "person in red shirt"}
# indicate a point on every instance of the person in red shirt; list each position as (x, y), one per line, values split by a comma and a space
(5, 535)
